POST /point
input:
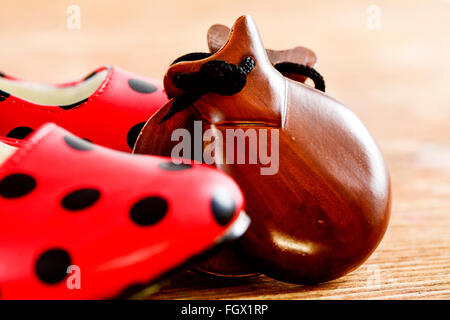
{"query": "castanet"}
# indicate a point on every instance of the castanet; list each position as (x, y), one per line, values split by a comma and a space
(317, 188)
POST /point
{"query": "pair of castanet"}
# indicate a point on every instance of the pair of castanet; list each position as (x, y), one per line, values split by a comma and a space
(327, 207)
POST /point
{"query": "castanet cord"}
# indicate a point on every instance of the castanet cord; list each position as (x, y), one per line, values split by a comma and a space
(216, 76)
(225, 78)
(302, 70)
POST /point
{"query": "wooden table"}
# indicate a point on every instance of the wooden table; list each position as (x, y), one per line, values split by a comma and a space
(396, 79)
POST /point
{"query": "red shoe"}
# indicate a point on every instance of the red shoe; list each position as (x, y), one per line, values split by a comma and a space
(70, 208)
(108, 107)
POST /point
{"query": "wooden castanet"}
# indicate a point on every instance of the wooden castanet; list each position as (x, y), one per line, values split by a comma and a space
(218, 35)
(326, 208)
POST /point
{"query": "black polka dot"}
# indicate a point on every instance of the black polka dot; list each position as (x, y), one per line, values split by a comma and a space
(80, 199)
(16, 185)
(149, 211)
(223, 206)
(51, 266)
(141, 86)
(170, 166)
(73, 105)
(2, 75)
(3, 95)
(133, 134)
(19, 132)
(78, 144)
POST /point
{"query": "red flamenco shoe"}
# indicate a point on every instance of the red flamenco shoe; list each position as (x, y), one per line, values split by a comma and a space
(108, 107)
(80, 221)
(320, 203)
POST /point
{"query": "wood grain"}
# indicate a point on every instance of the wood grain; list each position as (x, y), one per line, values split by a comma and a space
(395, 79)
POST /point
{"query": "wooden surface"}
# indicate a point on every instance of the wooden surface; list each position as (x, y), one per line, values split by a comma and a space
(396, 79)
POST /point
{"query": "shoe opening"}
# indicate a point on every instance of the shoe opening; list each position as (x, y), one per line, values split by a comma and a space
(54, 95)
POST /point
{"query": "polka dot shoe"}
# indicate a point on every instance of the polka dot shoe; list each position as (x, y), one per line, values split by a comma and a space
(80, 221)
(108, 107)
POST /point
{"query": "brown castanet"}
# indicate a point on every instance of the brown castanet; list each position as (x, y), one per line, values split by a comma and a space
(326, 207)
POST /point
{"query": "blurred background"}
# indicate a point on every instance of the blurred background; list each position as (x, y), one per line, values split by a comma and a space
(389, 61)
